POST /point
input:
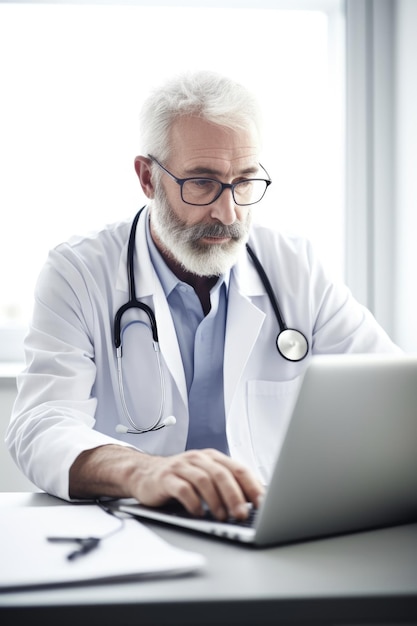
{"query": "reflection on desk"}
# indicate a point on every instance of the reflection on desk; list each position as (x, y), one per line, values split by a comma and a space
(361, 578)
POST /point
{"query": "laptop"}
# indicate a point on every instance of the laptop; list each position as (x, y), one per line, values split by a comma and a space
(347, 461)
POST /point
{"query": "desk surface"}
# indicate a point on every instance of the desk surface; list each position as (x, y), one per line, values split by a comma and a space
(361, 578)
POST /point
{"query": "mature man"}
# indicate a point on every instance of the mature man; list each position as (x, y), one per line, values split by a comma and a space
(153, 367)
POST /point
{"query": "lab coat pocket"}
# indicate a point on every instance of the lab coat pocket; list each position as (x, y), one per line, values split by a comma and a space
(269, 406)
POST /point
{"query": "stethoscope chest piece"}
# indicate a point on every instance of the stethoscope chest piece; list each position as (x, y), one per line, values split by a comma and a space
(292, 344)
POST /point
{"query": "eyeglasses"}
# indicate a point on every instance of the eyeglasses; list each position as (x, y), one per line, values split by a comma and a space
(203, 191)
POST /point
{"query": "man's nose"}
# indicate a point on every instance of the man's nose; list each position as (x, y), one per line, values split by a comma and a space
(224, 208)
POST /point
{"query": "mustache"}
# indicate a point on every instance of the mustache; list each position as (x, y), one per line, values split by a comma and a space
(234, 231)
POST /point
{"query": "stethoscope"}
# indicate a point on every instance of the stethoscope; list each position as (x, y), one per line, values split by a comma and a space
(291, 344)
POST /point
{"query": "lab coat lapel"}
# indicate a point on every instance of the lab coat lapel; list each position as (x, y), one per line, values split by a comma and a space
(244, 322)
(149, 289)
(168, 342)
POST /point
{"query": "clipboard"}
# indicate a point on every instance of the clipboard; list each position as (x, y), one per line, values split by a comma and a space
(29, 560)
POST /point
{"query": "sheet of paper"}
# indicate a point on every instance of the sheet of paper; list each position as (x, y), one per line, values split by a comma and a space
(29, 559)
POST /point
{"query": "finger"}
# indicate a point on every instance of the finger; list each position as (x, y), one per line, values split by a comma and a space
(182, 490)
(160, 490)
(229, 491)
(251, 487)
(214, 481)
(224, 484)
(185, 477)
(199, 476)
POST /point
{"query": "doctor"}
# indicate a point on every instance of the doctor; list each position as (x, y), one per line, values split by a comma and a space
(153, 365)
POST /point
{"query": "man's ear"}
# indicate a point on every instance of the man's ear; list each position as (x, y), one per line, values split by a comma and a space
(143, 170)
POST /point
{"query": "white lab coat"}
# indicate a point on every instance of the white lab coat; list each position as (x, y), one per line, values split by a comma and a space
(68, 396)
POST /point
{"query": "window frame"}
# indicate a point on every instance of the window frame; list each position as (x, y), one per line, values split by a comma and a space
(370, 160)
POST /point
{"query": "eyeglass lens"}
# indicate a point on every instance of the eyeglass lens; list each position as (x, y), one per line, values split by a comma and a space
(202, 191)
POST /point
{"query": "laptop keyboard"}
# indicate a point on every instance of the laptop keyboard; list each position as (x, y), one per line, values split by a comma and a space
(176, 509)
(249, 522)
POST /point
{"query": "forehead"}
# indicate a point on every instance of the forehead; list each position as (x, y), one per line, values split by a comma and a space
(196, 143)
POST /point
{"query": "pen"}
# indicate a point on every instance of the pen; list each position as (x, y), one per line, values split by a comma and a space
(87, 544)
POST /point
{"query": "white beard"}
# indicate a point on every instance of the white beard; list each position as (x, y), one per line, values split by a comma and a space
(183, 242)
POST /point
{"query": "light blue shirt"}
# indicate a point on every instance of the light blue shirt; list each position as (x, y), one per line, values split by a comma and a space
(201, 342)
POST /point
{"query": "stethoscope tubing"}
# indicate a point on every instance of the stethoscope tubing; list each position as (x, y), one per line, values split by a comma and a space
(291, 343)
(267, 284)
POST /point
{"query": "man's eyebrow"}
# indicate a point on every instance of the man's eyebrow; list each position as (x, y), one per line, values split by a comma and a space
(208, 171)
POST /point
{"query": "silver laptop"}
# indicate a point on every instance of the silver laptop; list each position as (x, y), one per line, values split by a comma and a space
(347, 462)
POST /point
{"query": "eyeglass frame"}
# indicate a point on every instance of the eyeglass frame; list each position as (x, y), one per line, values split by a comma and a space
(231, 186)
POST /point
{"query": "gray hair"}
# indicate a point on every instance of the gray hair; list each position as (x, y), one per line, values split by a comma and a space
(204, 94)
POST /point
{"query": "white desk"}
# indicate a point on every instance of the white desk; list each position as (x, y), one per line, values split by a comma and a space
(363, 578)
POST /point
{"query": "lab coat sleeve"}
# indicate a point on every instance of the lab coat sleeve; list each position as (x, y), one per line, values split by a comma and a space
(53, 417)
(341, 324)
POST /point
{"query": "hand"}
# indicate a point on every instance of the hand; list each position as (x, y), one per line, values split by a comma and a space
(191, 477)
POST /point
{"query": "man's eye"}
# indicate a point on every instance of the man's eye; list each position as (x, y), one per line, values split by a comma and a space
(202, 183)
(244, 184)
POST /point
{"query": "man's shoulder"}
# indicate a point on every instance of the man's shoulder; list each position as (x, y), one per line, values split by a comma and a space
(111, 238)
(266, 238)
(94, 255)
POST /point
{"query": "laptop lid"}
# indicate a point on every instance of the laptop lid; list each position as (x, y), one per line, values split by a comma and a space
(347, 462)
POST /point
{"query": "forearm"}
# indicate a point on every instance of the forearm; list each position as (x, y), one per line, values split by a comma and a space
(107, 470)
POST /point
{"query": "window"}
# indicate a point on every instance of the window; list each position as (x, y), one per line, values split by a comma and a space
(73, 77)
